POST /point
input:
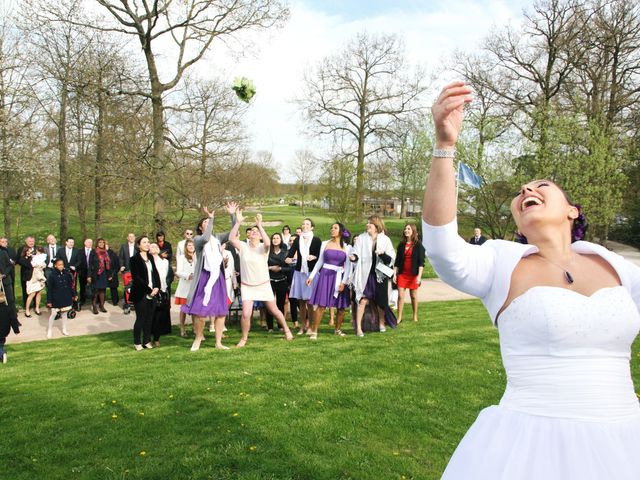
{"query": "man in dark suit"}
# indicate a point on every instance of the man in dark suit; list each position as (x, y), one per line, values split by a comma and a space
(51, 249)
(5, 276)
(69, 255)
(70, 258)
(127, 250)
(478, 238)
(11, 253)
(87, 268)
(23, 259)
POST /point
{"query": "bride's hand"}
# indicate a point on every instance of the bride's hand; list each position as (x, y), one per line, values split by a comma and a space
(448, 112)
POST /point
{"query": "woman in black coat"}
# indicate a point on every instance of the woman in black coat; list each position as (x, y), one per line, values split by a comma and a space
(407, 271)
(278, 273)
(145, 285)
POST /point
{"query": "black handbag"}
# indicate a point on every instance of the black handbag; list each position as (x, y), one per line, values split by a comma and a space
(163, 301)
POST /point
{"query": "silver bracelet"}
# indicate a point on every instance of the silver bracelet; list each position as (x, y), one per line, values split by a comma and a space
(444, 153)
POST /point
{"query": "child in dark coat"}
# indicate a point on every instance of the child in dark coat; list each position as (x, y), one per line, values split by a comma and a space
(60, 295)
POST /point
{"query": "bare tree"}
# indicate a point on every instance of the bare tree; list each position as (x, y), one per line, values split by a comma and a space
(59, 50)
(303, 168)
(356, 95)
(17, 128)
(209, 130)
(534, 66)
(190, 27)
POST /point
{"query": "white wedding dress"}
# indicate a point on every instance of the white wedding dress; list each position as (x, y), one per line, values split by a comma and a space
(569, 410)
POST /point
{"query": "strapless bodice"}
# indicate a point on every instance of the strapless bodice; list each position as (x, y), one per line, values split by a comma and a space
(568, 355)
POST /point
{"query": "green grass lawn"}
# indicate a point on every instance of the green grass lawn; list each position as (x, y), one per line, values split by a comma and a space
(388, 406)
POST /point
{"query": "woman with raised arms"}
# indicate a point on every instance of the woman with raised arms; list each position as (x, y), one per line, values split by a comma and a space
(208, 292)
(254, 273)
(567, 311)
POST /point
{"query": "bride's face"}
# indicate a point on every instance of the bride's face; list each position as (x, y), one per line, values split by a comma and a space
(541, 203)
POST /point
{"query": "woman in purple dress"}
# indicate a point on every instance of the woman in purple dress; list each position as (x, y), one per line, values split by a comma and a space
(208, 293)
(330, 274)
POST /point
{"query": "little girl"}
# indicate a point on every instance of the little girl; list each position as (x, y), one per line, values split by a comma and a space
(60, 295)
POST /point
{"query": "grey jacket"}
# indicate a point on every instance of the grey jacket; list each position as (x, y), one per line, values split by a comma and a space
(199, 242)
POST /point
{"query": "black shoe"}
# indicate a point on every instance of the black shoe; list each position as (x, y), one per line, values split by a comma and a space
(58, 315)
(95, 310)
(102, 309)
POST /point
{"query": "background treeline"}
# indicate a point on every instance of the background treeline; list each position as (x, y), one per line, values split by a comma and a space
(101, 110)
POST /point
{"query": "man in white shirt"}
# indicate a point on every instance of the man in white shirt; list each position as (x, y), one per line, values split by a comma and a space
(51, 249)
(87, 263)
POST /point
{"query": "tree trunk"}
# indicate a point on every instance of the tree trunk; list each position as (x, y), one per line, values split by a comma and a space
(62, 163)
(97, 179)
(6, 178)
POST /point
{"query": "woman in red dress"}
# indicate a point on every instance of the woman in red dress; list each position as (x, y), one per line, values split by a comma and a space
(407, 271)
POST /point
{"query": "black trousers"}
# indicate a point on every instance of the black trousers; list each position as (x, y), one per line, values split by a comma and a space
(280, 291)
(115, 298)
(83, 288)
(293, 308)
(145, 309)
(23, 284)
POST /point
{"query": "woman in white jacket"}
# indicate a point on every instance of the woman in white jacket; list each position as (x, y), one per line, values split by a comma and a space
(567, 313)
(185, 265)
(373, 255)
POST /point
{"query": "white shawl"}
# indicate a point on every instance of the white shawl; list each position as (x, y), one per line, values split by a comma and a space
(212, 261)
(364, 251)
(303, 247)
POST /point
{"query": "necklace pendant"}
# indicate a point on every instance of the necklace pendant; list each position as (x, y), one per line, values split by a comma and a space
(568, 277)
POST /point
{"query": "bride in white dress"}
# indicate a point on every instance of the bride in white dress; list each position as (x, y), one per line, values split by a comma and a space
(567, 314)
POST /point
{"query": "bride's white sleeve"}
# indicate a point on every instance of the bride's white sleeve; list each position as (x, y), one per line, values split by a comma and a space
(469, 268)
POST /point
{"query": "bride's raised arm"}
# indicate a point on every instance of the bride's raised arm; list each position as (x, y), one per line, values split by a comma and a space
(466, 267)
(439, 206)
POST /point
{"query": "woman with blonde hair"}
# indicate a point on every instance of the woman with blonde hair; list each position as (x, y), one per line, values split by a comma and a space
(373, 255)
(255, 281)
(185, 266)
(37, 282)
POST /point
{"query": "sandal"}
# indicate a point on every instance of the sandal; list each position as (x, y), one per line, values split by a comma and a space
(340, 333)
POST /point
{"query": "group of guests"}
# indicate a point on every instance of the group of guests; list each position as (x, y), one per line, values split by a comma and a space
(286, 274)
(296, 274)
(72, 276)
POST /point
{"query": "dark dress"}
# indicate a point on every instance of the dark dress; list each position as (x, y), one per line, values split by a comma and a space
(162, 314)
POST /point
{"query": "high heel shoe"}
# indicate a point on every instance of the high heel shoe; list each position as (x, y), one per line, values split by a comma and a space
(38, 312)
(28, 315)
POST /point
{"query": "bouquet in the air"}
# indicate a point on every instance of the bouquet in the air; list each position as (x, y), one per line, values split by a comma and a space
(244, 88)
